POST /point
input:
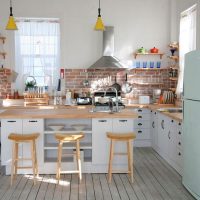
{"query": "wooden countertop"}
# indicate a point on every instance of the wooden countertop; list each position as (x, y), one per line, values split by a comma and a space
(63, 113)
(77, 111)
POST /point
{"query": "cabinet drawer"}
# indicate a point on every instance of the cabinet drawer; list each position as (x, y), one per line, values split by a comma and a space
(142, 134)
(138, 124)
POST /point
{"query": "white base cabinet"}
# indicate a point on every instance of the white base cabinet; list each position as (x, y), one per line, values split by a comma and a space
(21, 126)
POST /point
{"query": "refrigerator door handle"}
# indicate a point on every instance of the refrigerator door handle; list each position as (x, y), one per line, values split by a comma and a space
(162, 124)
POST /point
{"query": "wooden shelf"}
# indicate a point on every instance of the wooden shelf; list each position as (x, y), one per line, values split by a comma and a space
(3, 54)
(145, 84)
(174, 67)
(151, 54)
(173, 78)
(2, 39)
(173, 89)
(176, 58)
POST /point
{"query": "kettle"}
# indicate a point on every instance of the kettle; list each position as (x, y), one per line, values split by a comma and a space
(142, 50)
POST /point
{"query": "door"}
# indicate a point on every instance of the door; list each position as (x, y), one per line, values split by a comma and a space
(191, 146)
(191, 75)
(121, 126)
(100, 142)
(9, 126)
(163, 131)
(154, 130)
(33, 126)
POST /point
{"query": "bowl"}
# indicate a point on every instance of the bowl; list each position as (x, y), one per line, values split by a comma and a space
(78, 127)
(56, 127)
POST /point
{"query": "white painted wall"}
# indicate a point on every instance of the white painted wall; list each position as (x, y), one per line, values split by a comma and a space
(137, 23)
(183, 5)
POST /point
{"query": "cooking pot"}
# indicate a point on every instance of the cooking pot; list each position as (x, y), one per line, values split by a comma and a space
(116, 85)
(154, 50)
(126, 87)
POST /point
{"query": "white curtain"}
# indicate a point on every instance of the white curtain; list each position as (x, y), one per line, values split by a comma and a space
(187, 41)
(37, 51)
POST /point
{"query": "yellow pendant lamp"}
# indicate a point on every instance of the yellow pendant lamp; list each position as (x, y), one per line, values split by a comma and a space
(11, 25)
(99, 24)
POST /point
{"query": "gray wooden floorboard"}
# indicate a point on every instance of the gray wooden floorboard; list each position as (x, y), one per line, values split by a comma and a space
(154, 179)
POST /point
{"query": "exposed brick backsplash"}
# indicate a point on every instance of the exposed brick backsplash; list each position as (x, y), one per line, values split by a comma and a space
(5, 85)
(157, 78)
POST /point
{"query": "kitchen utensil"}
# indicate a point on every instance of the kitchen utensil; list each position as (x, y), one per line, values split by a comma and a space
(154, 50)
(116, 85)
(126, 87)
(102, 100)
(86, 81)
(56, 127)
(78, 127)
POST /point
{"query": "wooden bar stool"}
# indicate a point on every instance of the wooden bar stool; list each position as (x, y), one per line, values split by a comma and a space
(66, 138)
(123, 137)
(19, 138)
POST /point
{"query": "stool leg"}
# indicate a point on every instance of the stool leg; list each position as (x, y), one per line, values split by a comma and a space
(33, 159)
(59, 160)
(16, 157)
(130, 159)
(13, 163)
(110, 161)
(36, 162)
(78, 160)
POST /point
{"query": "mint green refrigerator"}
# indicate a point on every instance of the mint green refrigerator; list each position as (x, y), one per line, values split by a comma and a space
(191, 124)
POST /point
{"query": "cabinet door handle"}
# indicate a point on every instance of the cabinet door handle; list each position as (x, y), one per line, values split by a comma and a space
(179, 143)
(179, 123)
(155, 113)
(172, 120)
(140, 117)
(162, 124)
(179, 153)
(139, 124)
(179, 133)
(153, 124)
(122, 120)
(32, 121)
(11, 121)
(102, 120)
(151, 111)
(139, 110)
(169, 135)
(139, 132)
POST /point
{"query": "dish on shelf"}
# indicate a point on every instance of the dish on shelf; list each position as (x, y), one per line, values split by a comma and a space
(78, 127)
(56, 127)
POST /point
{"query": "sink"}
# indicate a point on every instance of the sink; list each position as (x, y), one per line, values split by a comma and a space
(102, 111)
(171, 110)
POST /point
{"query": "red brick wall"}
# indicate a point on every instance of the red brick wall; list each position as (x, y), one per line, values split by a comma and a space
(5, 85)
(101, 78)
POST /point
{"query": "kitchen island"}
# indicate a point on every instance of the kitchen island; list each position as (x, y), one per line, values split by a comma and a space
(94, 146)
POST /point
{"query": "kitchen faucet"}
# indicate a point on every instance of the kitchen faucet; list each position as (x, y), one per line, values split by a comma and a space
(116, 93)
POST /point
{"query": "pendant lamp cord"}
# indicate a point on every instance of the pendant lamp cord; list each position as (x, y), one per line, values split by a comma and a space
(99, 10)
(11, 14)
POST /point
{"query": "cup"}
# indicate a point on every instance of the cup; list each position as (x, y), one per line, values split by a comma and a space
(144, 64)
(158, 64)
(151, 64)
(138, 64)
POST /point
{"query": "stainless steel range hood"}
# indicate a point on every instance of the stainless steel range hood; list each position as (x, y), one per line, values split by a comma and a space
(108, 60)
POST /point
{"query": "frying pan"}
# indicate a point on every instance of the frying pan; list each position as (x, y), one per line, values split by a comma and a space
(116, 85)
(126, 87)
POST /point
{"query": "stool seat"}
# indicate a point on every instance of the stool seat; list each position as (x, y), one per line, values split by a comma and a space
(65, 138)
(68, 137)
(121, 136)
(23, 138)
